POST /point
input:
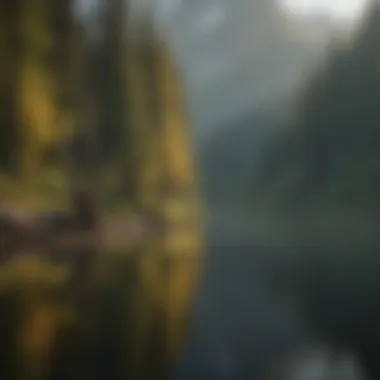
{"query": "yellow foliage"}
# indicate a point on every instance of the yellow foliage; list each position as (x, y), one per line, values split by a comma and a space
(37, 108)
(181, 281)
(176, 142)
(30, 280)
(42, 321)
(25, 272)
(144, 124)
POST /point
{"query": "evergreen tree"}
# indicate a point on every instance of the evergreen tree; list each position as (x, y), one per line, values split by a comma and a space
(332, 146)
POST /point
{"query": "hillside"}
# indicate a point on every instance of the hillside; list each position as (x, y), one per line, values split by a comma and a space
(330, 155)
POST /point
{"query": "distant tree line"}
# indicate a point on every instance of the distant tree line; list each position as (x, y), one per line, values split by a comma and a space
(330, 152)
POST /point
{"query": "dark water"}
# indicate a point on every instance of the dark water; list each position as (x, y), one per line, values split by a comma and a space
(242, 326)
(239, 328)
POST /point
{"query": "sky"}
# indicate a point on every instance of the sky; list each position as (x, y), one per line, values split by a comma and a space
(340, 10)
(237, 55)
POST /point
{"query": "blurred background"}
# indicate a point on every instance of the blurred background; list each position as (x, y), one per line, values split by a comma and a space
(279, 97)
(264, 114)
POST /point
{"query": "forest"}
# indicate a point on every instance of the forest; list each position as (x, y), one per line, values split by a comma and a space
(328, 155)
(77, 94)
(92, 102)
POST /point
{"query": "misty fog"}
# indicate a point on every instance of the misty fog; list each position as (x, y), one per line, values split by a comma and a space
(245, 66)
